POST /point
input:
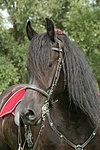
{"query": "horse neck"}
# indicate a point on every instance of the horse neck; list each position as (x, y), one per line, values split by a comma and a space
(68, 117)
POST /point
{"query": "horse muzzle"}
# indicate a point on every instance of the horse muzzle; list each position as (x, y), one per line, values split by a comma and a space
(28, 117)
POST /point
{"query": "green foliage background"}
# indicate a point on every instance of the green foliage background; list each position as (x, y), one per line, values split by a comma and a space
(79, 19)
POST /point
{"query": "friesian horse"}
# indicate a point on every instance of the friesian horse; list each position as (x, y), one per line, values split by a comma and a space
(61, 106)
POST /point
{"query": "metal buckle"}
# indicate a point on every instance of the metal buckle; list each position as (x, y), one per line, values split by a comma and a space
(20, 148)
(45, 109)
(78, 147)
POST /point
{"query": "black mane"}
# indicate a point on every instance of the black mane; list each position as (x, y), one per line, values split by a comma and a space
(80, 80)
(39, 49)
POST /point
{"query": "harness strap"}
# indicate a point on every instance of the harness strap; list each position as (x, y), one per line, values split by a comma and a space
(45, 110)
(19, 138)
(62, 64)
(61, 136)
(30, 86)
(38, 137)
(48, 96)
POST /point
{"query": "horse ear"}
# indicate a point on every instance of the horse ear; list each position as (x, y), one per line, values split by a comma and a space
(30, 31)
(50, 30)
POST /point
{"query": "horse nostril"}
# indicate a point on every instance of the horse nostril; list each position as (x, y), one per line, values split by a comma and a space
(30, 114)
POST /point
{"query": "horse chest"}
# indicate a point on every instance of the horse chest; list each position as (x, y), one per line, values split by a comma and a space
(50, 141)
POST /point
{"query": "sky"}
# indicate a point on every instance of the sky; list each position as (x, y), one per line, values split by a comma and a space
(5, 16)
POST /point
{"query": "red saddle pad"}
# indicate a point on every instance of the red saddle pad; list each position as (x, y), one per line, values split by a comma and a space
(12, 102)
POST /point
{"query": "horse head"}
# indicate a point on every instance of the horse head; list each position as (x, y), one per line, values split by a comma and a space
(46, 68)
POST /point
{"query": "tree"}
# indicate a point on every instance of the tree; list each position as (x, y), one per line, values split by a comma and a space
(79, 19)
(14, 42)
(83, 26)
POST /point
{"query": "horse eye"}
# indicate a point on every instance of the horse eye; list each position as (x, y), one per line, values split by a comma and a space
(50, 64)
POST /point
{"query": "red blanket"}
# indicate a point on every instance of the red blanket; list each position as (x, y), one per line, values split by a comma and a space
(12, 102)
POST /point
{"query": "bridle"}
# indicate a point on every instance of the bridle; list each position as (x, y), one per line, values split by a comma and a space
(46, 107)
(49, 100)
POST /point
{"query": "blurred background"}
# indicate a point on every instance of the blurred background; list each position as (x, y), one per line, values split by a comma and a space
(79, 19)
